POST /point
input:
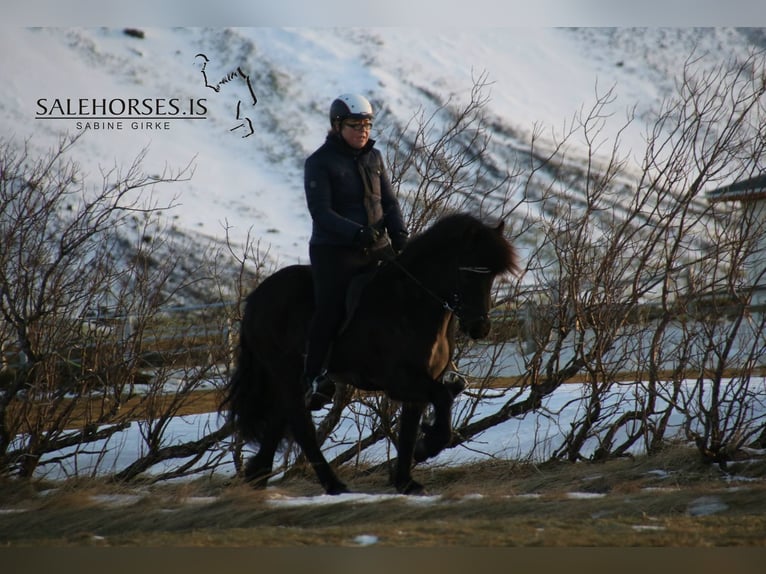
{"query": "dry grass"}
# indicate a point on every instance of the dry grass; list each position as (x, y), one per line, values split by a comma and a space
(87, 410)
(665, 500)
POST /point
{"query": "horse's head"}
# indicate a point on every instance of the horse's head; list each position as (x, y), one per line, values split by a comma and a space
(471, 300)
(484, 254)
(476, 253)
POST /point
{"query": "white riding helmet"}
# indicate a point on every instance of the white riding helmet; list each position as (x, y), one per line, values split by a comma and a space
(350, 106)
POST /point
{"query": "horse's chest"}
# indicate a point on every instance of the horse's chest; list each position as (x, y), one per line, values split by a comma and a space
(440, 349)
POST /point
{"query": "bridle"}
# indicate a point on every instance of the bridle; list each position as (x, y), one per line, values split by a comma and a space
(452, 304)
(458, 304)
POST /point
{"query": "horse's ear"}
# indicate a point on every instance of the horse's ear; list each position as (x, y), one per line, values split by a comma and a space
(500, 227)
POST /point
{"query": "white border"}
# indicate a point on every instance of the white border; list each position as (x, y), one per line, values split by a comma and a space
(451, 13)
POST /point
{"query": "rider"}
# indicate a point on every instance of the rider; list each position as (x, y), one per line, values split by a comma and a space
(352, 206)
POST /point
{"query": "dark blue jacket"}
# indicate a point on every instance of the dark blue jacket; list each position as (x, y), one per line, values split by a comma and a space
(335, 193)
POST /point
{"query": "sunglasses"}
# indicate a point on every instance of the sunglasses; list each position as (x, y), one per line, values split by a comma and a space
(359, 126)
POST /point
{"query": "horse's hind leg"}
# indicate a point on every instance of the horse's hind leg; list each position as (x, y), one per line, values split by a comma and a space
(304, 433)
(409, 421)
(302, 428)
(258, 468)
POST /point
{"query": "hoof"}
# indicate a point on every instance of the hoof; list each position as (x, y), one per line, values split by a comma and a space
(425, 449)
(336, 489)
(429, 445)
(421, 453)
(411, 488)
(256, 477)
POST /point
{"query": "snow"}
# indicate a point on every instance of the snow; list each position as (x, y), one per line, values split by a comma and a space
(706, 505)
(584, 495)
(366, 539)
(356, 497)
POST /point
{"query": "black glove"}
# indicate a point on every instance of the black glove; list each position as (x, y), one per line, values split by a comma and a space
(367, 237)
(399, 241)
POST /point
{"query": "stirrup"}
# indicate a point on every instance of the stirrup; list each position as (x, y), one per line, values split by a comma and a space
(320, 392)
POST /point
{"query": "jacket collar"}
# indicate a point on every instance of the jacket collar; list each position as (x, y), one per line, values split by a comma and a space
(339, 143)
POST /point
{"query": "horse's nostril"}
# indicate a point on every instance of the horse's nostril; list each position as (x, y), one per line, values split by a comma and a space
(479, 328)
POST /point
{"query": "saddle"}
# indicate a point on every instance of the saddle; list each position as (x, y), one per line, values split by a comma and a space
(454, 380)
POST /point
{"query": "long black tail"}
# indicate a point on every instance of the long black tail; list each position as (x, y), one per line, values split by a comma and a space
(266, 381)
(246, 399)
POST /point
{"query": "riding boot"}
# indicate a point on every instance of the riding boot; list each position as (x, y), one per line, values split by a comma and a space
(319, 391)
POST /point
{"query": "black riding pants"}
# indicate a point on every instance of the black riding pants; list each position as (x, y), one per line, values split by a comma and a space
(332, 267)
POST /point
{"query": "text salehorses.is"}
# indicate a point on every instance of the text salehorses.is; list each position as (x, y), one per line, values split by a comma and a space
(120, 107)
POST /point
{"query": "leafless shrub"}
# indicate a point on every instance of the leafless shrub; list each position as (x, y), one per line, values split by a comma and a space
(84, 276)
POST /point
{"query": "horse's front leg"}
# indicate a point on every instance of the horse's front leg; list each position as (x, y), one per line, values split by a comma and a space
(409, 421)
(438, 435)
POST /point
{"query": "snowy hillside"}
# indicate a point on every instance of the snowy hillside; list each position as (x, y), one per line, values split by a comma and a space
(540, 77)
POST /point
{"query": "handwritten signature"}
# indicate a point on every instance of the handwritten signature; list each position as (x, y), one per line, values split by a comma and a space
(238, 75)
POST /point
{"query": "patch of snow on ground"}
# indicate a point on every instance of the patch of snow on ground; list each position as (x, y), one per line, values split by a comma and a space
(584, 495)
(706, 505)
(350, 497)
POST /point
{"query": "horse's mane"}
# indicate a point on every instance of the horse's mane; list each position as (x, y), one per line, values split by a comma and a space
(462, 232)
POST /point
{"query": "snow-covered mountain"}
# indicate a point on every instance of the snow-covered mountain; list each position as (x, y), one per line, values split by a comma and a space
(540, 78)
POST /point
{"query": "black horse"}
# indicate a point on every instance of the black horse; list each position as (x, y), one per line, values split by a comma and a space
(397, 341)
